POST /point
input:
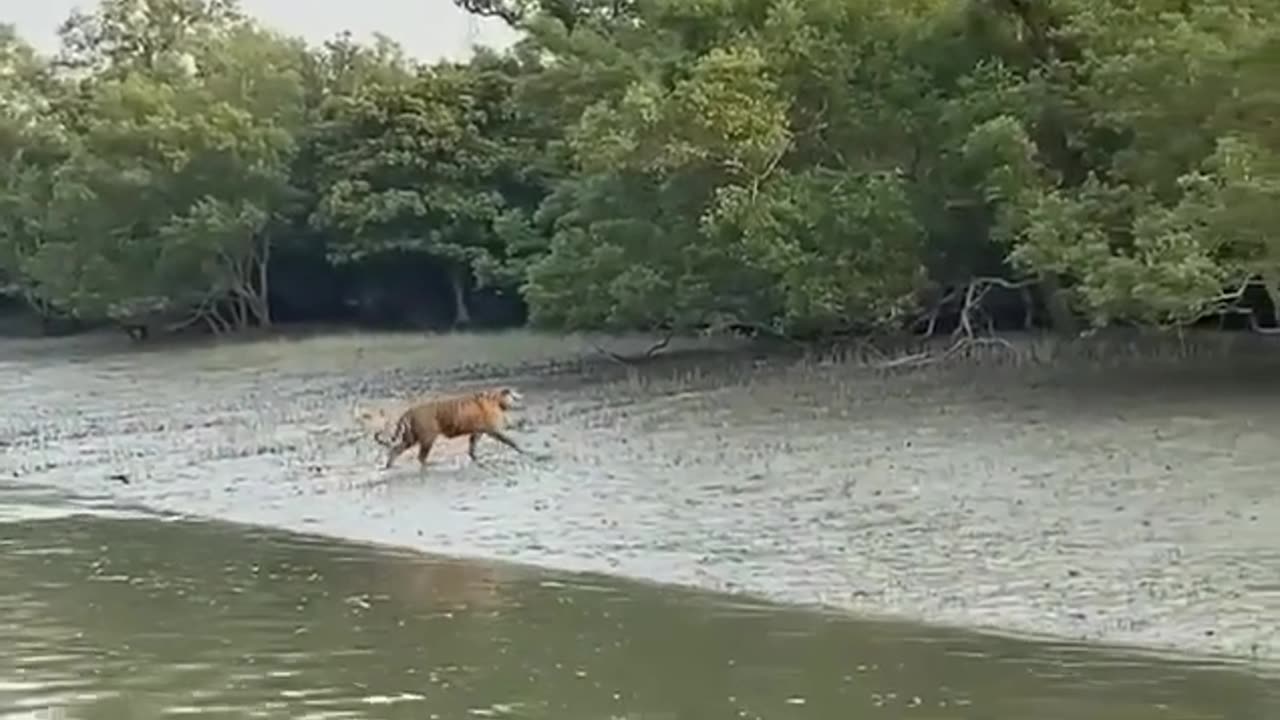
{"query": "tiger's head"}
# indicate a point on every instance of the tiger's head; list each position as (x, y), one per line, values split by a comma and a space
(506, 397)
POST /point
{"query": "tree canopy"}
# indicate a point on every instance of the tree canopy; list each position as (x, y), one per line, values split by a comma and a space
(802, 167)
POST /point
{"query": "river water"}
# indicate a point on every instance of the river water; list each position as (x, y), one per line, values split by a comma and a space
(112, 614)
(1123, 507)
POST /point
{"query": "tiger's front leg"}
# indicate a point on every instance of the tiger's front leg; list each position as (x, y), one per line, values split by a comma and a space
(502, 438)
(394, 452)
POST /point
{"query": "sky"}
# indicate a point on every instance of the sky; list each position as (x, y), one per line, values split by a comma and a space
(428, 29)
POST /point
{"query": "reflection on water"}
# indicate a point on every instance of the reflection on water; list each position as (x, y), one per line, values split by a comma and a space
(119, 617)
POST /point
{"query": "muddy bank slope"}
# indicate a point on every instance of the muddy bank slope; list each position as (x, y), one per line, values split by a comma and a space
(1129, 506)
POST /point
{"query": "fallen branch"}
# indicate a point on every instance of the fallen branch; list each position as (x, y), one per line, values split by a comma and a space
(654, 349)
(921, 358)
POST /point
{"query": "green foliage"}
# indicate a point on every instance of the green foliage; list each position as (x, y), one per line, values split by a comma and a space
(434, 166)
(159, 202)
(807, 167)
(835, 249)
(29, 148)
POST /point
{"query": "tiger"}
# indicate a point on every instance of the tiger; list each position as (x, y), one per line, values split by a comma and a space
(473, 414)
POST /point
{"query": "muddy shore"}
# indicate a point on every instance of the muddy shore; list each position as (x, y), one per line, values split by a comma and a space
(1131, 505)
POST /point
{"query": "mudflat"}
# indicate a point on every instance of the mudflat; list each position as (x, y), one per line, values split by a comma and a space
(1133, 505)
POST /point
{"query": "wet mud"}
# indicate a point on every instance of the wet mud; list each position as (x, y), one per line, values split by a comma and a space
(1125, 506)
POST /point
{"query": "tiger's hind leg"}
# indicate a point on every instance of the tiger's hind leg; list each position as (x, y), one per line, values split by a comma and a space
(424, 449)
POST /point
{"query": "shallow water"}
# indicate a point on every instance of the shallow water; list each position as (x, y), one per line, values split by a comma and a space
(125, 615)
(1123, 508)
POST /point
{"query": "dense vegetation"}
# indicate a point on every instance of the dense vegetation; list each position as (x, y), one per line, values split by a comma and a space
(803, 167)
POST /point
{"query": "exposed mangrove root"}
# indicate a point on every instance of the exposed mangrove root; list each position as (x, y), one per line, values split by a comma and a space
(974, 328)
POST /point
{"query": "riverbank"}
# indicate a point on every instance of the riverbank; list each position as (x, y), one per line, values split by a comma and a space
(211, 617)
(1126, 498)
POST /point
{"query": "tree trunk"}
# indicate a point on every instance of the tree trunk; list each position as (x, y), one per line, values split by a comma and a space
(1062, 320)
(461, 313)
(1273, 294)
(239, 314)
(264, 304)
